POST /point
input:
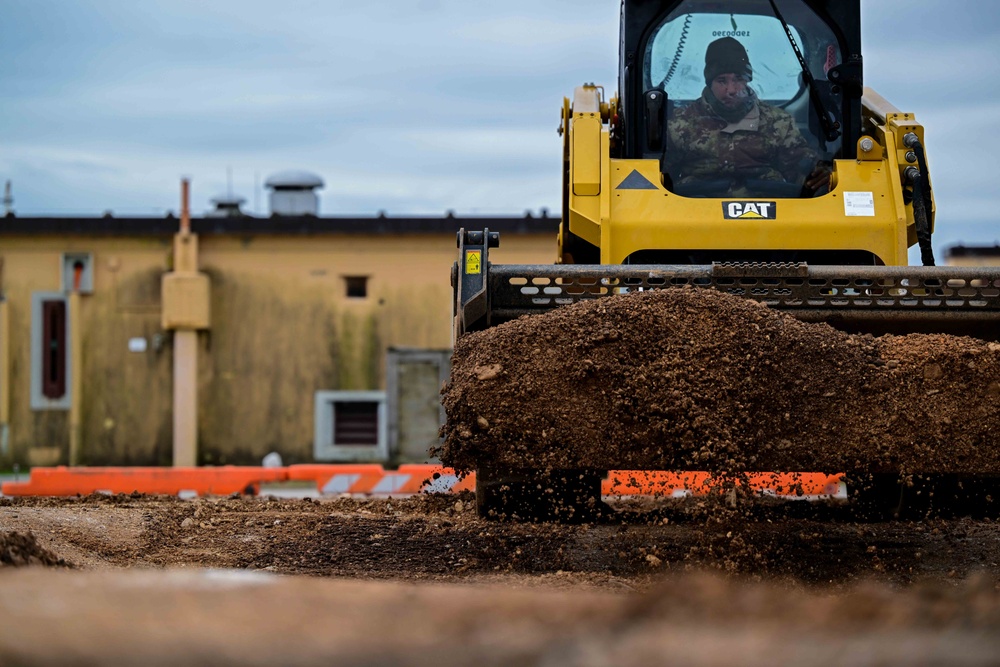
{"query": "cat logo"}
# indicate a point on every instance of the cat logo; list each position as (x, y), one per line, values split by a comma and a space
(750, 210)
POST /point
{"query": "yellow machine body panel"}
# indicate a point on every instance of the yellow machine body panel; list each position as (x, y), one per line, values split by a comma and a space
(622, 206)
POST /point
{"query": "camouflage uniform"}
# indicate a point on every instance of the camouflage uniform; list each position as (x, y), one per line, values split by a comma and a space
(765, 145)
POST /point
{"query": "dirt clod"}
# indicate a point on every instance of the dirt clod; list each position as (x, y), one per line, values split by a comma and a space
(19, 550)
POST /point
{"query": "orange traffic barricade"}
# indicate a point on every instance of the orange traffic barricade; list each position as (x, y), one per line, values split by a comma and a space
(223, 480)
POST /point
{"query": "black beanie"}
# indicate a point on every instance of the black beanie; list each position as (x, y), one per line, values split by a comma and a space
(726, 56)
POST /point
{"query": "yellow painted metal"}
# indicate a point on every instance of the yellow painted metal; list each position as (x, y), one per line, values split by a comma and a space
(657, 219)
(585, 153)
(875, 151)
(621, 222)
(891, 125)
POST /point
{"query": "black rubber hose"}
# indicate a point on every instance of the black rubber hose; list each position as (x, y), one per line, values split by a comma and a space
(913, 143)
(921, 217)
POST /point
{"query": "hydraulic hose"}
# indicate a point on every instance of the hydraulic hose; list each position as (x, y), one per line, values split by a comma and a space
(911, 141)
(921, 214)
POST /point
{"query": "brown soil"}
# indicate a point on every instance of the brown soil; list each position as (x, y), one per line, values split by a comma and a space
(687, 379)
(434, 584)
(440, 538)
(17, 550)
(672, 379)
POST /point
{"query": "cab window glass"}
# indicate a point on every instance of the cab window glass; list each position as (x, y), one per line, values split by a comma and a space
(775, 68)
(762, 135)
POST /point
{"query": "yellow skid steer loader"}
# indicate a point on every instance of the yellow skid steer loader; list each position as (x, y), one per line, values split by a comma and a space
(809, 202)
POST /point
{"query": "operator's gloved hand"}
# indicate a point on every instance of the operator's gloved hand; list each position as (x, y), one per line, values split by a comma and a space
(820, 176)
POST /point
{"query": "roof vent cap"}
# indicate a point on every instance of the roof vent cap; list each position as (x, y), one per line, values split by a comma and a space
(227, 206)
(292, 193)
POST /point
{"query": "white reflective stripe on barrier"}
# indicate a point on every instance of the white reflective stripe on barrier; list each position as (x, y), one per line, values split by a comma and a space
(340, 483)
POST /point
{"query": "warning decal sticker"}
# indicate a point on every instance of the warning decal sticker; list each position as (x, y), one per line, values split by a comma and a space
(636, 181)
(859, 204)
(473, 261)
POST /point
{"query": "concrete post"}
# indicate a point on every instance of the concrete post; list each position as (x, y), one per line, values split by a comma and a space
(185, 398)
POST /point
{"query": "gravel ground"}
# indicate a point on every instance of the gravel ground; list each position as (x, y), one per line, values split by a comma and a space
(422, 580)
(674, 379)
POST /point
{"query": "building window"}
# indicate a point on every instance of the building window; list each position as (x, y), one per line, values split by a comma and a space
(53, 349)
(357, 287)
(78, 272)
(350, 426)
(50, 353)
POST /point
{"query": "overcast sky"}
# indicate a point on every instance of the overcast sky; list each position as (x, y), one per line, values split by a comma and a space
(411, 107)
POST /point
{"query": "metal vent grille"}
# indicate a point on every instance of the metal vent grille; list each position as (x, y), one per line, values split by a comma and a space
(350, 426)
(355, 423)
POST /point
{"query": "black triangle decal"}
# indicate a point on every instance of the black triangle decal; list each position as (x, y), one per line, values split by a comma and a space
(636, 181)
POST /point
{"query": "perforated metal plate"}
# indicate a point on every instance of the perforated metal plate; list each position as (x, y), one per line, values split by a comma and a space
(865, 298)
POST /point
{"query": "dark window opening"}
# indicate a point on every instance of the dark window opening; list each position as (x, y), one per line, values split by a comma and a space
(54, 349)
(357, 287)
(355, 423)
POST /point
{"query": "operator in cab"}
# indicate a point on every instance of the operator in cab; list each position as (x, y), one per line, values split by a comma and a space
(729, 143)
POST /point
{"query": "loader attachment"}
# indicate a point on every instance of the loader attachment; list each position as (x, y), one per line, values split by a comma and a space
(857, 299)
(877, 300)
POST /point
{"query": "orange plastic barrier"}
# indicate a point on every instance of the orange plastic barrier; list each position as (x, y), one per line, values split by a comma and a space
(373, 479)
(63, 481)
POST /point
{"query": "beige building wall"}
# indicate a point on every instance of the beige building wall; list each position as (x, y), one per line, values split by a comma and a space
(282, 328)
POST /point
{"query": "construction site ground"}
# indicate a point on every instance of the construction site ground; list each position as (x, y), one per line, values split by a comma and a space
(669, 380)
(155, 580)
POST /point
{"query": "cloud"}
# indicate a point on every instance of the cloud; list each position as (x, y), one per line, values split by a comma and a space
(409, 106)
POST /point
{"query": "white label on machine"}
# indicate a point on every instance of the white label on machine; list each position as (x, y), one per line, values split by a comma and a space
(859, 204)
(136, 344)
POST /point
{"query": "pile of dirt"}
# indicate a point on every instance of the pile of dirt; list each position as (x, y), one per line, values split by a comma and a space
(19, 550)
(689, 379)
